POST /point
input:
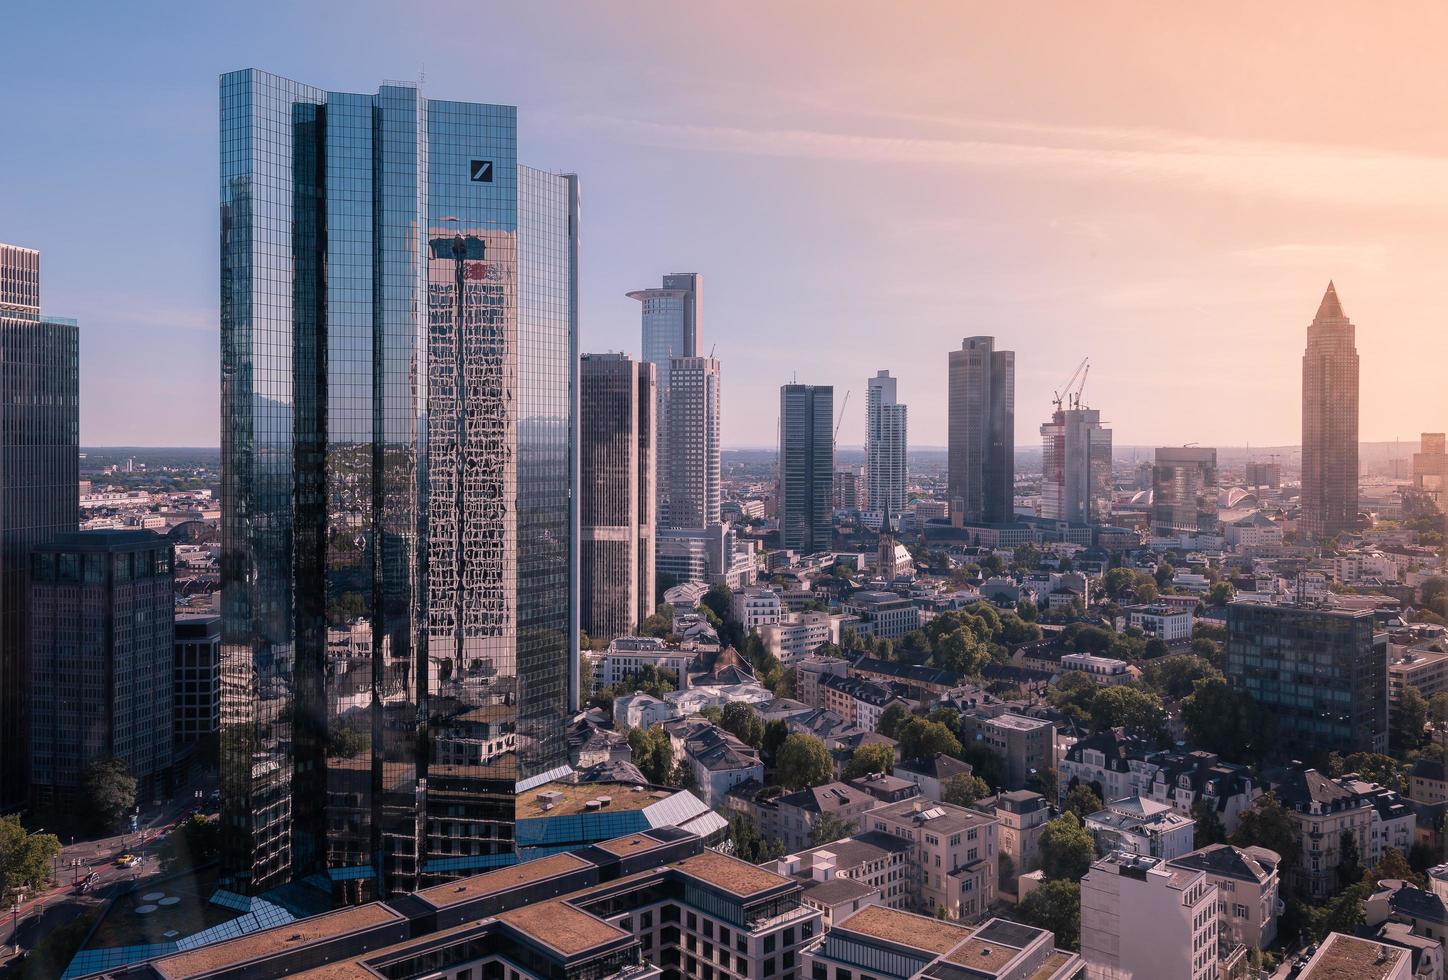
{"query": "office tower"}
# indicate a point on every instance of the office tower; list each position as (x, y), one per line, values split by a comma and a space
(1320, 673)
(197, 688)
(102, 662)
(1184, 490)
(885, 445)
(1329, 423)
(1076, 482)
(806, 467)
(616, 493)
(982, 420)
(851, 488)
(672, 327)
(39, 481)
(693, 443)
(1430, 470)
(1260, 474)
(399, 364)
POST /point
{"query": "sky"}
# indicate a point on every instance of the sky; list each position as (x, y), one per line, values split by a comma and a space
(1164, 188)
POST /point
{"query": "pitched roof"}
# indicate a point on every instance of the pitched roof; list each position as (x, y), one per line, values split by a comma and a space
(1330, 308)
(1255, 864)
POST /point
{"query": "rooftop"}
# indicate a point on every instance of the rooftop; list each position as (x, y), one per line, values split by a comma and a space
(629, 846)
(905, 929)
(318, 928)
(738, 878)
(1344, 957)
(571, 798)
(560, 926)
(466, 889)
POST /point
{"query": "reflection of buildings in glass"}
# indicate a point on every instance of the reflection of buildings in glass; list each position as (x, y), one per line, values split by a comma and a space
(1076, 482)
(392, 330)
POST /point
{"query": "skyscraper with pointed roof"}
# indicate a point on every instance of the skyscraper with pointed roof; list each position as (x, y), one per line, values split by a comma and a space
(1329, 422)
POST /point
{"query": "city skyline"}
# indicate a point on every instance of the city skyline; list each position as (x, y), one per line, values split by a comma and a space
(1128, 221)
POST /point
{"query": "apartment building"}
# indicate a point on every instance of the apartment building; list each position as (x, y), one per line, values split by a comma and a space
(1141, 917)
(798, 634)
(756, 607)
(1170, 624)
(792, 819)
(856, 700)
(1025, 746)
(882, 614)
(1326, 809)
(876, 863)
(1248, 891)
(1022, 815)
(953, 862)
(1102, 670)
(810, 671)
(629, 656)
(1141, 826)
(932, 773)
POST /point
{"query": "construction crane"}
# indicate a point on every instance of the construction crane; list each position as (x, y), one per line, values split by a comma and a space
(1067, 399)
(840, 421)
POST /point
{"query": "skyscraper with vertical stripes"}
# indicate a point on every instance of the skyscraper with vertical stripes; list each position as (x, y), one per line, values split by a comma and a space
(1329, 423)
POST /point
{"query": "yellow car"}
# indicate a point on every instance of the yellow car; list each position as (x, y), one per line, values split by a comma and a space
(126, 860)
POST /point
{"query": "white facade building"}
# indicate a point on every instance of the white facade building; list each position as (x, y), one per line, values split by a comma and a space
(1143, 918)
(1168, 624)
(885, 445)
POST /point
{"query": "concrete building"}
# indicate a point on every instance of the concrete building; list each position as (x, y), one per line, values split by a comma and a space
(798, 634)
(672, 326)
(40, 491)
(1326, 810)
(981, 425)
(628, 656)
(850, 490)
(806, 467)
(809, 672)
(1424, 669)
(1170, 624)
(882, 614)
(1184, 490)
(1024, 746)
(794, 817)
(1141, 917)
(102, 643)
(197, 687)
(693, 434)
(876, 863)
(1102, 670)
(895, 945)
(1260, 475)
(1329, 423)
(1141, 826)
(756, 607)
(1022, 816)
(952, 865)
(885, 445)
(1076, 482)
(1321, 672)
(705, 555)
(617, 493)
(1248, 889)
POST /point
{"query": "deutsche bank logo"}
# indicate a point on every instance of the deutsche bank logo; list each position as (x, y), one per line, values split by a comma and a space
(482, 170)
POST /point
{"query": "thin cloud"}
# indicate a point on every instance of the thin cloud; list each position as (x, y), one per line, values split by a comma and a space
(1318, 173)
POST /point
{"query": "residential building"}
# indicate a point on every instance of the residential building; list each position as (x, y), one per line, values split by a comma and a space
(931, 510)
(639, 710)
(806, 467)
(1321, 672)
(850, 490)
(719, 760)
(1141, 917)
(953, 862)
(1076, 482)
(1326, 811)
(982, 425)
(1022, 816)
(895, 945)
(650, 905)
(798, 634)
(793, 818)
(931, 774)
(693, 434)
(1329, 423)
(628, 656)
(197, 686)
(1102, 670)
(672, 326)
(102, 640)
(617, 496)
(1188, 781)
(809, 672)
(1421, 668)
(882, 614)
(756, 607)
(1141, 826)
(885, 445)
(1248, 891)
(1430, 469)
(1341, 955)
(885, 787)
(1428, 782)
(408, 464)
(925, 684)
(846, 875)
(856, 700)
(1170, 624)
(40, 493)
(1184, 490)
(1025, 746)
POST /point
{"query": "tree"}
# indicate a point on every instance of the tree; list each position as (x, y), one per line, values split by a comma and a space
(718, 600)
(963, 790)
(1393, 865)
(1005, 872)
(984, 764)
(1268, 824)
(1222, 719)
(866, 759)
(1438, 710)
(1074, 694)
(741, 721)
(1066, 848)
(748, 844)
(681, 776)
(828, 829)
(1120, 706)
(892, 719)
(1220, 594)
(774, 735)
(1409, 716)
(921, 738)
(1055, 905)
(1155, 647)
(346, 742)
(1209, 827)
(661, 623)
(193, 844)
(1046, 782)
(109, 791)
(653, 753)
(25, 859)
(803, 760)
(1176, 677)
(1343, 914)
(1349, 866)
(1163, 575)
(961, 652)
(1082, 801)
(1372, 766)
(1210, 651)
(1116, 581)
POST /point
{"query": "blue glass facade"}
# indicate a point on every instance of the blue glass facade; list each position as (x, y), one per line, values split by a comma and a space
(399, 334)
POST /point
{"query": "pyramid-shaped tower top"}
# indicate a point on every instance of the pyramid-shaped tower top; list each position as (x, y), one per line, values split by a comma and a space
(1330, 308)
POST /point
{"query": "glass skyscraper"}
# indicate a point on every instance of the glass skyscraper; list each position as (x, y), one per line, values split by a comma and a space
(672, 328)
(885, 445)
(981, 458)
(806, 467)
(399, 351)
(39, 482)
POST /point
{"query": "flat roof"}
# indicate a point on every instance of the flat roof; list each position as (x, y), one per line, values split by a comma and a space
(739, 878)
(318, 928)
(503, 879)
(906, 929)
(983, 955)
(629, 846)
(562, 927)
(1348, 958)
(573, 798)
